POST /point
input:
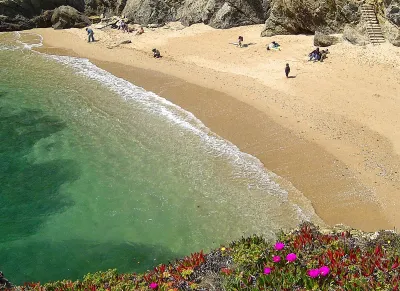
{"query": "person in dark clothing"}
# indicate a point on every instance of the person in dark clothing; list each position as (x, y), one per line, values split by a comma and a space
(156, 53)
(90, 34)
(315, 54)
(287, 70)
(240, 41)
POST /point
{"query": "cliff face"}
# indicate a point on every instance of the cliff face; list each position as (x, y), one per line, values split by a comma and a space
(216, 13)
(279, 16)
(308, 16)
(20, 14)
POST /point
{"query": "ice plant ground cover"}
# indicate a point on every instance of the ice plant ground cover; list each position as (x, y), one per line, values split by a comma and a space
(304, 259)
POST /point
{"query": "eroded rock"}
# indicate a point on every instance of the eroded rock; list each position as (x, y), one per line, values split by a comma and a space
(68, 17)
(324, 40)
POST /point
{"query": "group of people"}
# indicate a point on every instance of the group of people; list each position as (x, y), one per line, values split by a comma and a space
(317, 55)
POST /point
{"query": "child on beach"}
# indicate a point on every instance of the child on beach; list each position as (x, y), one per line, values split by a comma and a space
(156, 53)
(287, 70)
(240, 40)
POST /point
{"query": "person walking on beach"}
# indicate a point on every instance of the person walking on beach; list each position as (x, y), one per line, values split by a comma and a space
(90, 34)
(287, 70)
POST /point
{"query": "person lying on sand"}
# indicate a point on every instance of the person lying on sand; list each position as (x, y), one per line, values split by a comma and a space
(156, 53)
(274, 46)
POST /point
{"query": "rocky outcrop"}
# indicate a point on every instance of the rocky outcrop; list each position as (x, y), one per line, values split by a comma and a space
(392, 11)
(23, 14)
(105, 7)
(68, 17)
(391, 32)
(324, 40)
(308, 16)
(216, 13)
(356, 34)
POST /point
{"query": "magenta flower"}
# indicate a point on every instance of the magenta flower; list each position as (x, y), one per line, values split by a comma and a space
(313, 273)
(276, 259)
(267, 271)
(291, 257)
(279, 246)
(153, 285)
(324, 270)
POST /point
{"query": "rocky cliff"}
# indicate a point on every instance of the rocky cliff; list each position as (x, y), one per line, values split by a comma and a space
(22, 14)
(279, 16)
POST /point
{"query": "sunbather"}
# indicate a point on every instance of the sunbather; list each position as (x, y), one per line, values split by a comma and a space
(274, 46)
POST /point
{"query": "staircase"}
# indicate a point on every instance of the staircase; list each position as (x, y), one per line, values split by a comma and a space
(373, 28)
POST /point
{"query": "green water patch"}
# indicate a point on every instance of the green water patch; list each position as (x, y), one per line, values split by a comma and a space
(30, 191)
(76, 255)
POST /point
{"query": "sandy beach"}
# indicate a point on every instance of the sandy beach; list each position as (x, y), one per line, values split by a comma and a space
(331, 132)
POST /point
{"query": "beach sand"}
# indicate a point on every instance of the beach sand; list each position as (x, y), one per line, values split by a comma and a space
(331, 131)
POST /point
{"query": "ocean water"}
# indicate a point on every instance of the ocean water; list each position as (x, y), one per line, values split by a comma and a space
(98, 173)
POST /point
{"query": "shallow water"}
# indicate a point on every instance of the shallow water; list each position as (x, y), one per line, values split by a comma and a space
(98, 173)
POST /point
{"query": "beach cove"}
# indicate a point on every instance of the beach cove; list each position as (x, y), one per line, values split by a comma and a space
(330, 131)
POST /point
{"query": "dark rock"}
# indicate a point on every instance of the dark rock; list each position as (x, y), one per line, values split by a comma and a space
(21, 14)
(392, 11)
(4, 283)
(43, 20)
(106, 7)
(68, 17)
(308, 16)
(125, 42)
(324, 40)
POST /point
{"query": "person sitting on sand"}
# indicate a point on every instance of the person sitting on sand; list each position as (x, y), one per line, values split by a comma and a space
(156, 53)
(274, 46)
(240, 40)
(324, 54)
(315, 55)
(90, 34)
(140, 31)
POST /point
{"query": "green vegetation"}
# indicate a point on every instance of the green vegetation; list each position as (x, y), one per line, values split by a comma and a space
(304, 259)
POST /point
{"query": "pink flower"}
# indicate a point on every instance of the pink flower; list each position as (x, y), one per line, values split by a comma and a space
(313, 273)
(279, 246)
(267, 271)
(291, 257)
(153, 285)
(324, 270)
(276, 259)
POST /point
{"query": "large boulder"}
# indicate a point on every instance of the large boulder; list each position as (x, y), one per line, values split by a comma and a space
(356, 34)
(308, 16)
(68, 17)
(391, 32)
(20, 14)
(324, 40)
(216, 13)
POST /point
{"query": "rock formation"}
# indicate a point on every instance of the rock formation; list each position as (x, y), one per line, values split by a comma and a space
(67, 17)
(308, 16)
(279, 16)
(324, 40)
(23, 14)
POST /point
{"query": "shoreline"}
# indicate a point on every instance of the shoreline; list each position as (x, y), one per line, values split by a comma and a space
(309, 165)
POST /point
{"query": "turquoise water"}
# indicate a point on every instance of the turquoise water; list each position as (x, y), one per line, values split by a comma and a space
(98, 173)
